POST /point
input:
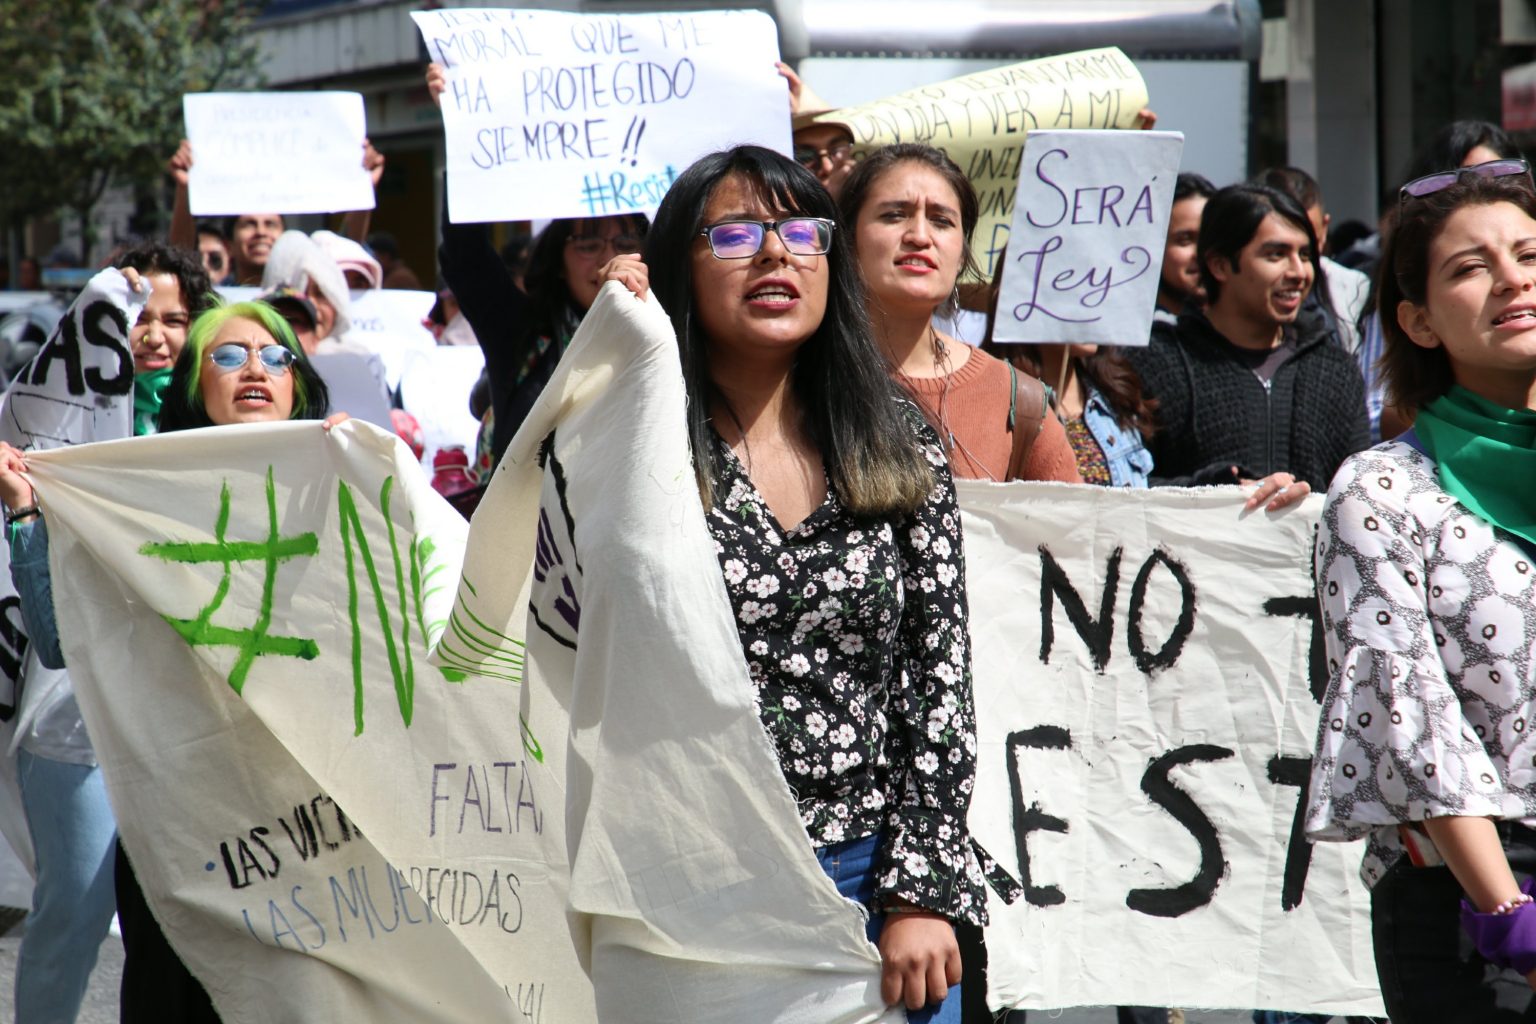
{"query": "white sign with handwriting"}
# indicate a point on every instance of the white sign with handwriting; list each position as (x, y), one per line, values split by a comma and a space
(246, 147)
(1085, 250)
(549, 114)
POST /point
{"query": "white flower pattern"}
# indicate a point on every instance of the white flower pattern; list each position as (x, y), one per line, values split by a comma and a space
(866, 627)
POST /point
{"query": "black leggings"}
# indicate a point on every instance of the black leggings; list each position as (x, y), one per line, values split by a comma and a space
(1429, 971)
(157, 987)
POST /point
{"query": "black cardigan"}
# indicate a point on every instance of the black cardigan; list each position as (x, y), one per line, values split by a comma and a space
(1214, 412)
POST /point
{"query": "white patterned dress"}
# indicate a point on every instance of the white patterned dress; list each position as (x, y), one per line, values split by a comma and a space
(1430, 618)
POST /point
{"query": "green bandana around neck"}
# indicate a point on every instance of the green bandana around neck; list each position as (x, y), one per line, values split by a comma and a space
(148, 397)
(1487, 457)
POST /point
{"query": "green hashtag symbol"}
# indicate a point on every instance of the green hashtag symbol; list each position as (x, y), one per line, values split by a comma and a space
(254, 642)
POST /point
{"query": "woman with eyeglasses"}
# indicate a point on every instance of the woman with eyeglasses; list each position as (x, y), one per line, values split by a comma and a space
(911, 212)
(1424, 565)
(834, 517)
(240, 364)
(524, 332)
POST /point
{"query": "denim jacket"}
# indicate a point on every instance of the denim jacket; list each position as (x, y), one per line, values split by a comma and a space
(1130, 462)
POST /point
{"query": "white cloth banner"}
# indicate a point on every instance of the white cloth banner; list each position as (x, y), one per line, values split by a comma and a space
(1147, 671)
(276, 152)
(549, 114)
(1086, 244)
(621, 816)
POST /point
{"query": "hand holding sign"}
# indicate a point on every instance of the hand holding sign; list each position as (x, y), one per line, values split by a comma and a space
(550, 114)
(241, 139)
(1087, 237)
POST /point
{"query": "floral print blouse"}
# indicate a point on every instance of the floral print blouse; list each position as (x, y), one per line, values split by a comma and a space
(1429, 615)
(857, 647)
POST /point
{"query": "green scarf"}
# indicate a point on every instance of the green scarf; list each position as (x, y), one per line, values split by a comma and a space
(148, 396)
(1487, 457)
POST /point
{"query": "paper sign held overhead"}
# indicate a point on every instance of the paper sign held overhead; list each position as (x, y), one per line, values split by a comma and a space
(980, 121)
(1085, 248)
(549, 114)
(248, 146)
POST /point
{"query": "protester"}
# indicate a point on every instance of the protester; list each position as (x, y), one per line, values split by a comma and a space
(63, 795)
(214, 248)
(1423, 569)
(1253, 390)
(911, 212)
(524, 332)
(785, 386)
(1347, 289)
(1458, 144)
(1179, 284)
(823, 148)
(396, 273)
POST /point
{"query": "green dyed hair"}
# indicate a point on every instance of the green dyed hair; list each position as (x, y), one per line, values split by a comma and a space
(184, 396)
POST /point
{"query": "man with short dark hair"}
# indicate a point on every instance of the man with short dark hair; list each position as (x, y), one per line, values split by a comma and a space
(1254, 389)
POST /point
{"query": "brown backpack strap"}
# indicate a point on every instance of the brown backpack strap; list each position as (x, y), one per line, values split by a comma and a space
(1026, 414)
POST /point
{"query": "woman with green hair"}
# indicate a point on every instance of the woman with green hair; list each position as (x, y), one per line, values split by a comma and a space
(240, 363)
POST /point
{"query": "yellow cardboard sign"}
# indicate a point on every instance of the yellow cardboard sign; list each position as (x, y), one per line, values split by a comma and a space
(980, 120)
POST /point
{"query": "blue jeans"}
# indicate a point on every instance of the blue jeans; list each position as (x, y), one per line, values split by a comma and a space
(73, 834)
(852, 866)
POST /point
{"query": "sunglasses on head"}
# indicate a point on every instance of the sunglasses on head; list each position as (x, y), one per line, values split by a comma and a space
(229, 357)
(740, 239)
(1429, 184)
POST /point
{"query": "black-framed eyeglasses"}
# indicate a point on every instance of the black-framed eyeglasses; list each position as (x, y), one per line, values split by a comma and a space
(591, 246)
(809, 156)
(229, 357)
(1429, 184)
(741, 239)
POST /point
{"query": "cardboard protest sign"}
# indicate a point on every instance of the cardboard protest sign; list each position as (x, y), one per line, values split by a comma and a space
(980, 120)
(549, 114)
(1089, 225)
(77, 388)
(247, 145)
(1147, 669)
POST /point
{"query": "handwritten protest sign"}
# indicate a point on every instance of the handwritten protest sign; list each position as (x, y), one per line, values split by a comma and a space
(248, 147)
(1089, 226)
(980, 120)
(549, 114)
(1148, 667)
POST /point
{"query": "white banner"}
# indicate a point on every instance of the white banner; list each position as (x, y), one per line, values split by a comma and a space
(1142, 672)
(1147, 669)
(1089, 226)
(276, 152)
(549, 114)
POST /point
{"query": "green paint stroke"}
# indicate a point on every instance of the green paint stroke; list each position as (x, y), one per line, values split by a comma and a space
(254, 642)
(402, 665)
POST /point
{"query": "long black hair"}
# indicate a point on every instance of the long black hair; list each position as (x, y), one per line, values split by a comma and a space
(853, 411)
(184, 409)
